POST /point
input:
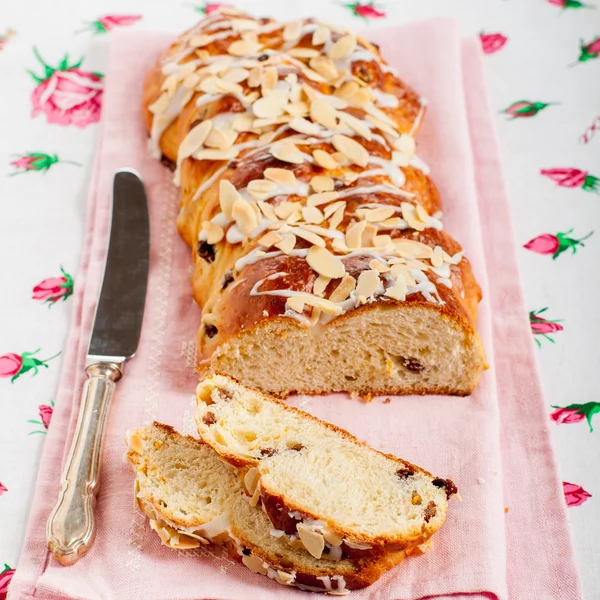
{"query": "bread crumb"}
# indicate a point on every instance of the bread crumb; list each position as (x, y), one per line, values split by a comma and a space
(506, 509)
(367, 398)
(387, 400)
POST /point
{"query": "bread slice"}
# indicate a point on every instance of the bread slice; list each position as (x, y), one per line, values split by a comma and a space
(192, 497)
(317, 482)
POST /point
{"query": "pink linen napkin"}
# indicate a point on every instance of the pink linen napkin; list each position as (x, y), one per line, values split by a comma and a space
(494, 444)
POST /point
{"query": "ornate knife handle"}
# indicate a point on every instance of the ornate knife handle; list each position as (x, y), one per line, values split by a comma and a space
(71, 526)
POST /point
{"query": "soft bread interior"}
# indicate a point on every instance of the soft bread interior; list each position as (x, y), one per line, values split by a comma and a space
(320, 470)
(383, 350)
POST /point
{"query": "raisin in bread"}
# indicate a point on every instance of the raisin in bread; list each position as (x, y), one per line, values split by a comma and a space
(315, 481)
(315, 228)
(191, 497)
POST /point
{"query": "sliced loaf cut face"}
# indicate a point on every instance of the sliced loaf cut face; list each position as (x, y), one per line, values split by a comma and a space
(181, 485)
(316, 481)
(176, 475)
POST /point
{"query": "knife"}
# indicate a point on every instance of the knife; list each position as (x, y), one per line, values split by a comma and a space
(71, 527)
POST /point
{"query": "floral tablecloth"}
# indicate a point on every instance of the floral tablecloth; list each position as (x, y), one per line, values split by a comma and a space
(543, 75)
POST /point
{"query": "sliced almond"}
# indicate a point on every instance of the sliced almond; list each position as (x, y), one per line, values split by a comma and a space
(321, 35)
(211, 154)
(228, 195)
(325, 160)
(270, 239)
(421, 213)
(194, 139)
(324, 66)
(214, 232)
(409, 214)
(236, 75)
(402, 271)
(320, 284)
(347, 90)
(287, 244)
(255, 564)
(243, 48)
(251, 479)
(322, 183)
(412, 249)
(339, 246)
(380, 214)
(285, 578)
(284, 209)
(301, 52)
(325, 263)
(398, 290)
(367, 284)
(383, 242)
(191, 81)
(340, 158)
(321, 198)
(400, 159)
(354, 234)
(160, 104)
(303, 125)
(297, 109)
(437, 258)
(210, 85)
(323, 113)
(312, 214)
(261, 189)
(260, 123)
(328, 307)
(267, 210)
(292, 31)
(296, 303)
(244, 216)
(343, 47)
(368, 236)
(255, 76)
(269, 107)
(312, 540)
(243, 24)
(310, 237)
(313, 75)
(250, 36)
(357, 125)
(393, 223)
(331, 208)
(356, 153)
(283, 176)
(287, 152)
(332, 538)
(243, 122)
(197, 41)
(268, 80)
(343, 290)
(405, 144)
(219, 139)
(379, 266)
(337, 218)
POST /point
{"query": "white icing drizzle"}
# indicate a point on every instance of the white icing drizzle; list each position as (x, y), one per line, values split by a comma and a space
(385, 100)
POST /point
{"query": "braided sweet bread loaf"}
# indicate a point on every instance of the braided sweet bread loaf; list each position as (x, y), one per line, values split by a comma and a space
(320, 260)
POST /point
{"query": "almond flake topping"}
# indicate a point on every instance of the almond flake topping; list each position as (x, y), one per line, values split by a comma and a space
(368, 283)
(219, 139)
(194, 139)
(160, 105)
(321, 198)
(324, 66)
(287, 244)
(287, 152)
(310, 237)
(437, 258)
(379, 266)
(270, 239)
(243, 122)
(214, 232)
(343, 290)
(269, 107)
(324, 114)
(243, 24)
(405, 144)
(285, 209)
(228, 195)
(354, 234)
(236, 75)
(379, 214)
(320, 284)
(325, 160)
(331, 208)
(322, 183)
(312, 214)
(398, 290)
(244, 216)
(292, 31)
(296, 303)
(283, 176)
(267, 210)
(216, 154)
(303, 125)
(409, 214)
(343, 47)
(325, 263)
(350, 148)
(243, 48)
(412, 249)
(261, 189)
(337, 218)
(301, 52)
(321, 35)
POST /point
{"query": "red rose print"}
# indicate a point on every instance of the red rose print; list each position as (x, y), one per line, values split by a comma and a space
(575, 495)
(3, 489)
(573, 178)
(110, 22)
(548, 243)
(524, 108)
(46, 411)
(66, 94)
(543, 327)
(590, 50)
(575, 413)
(53, 289)
(492, 42)
(14, 365)
(569, 4)
(366, 10)
(5, 37)
(211, 7)
(37, 161)
(5, 576)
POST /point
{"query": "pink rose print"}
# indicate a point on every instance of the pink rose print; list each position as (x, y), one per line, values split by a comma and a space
(575, 413)
(210, 7)
(14, 365)
(547, 243)
(543, 327)
(3, 489)
(564, 4)
(53, 289)
(37, 161)
(492, 42)
(5, 576)
(575, 495)
(365, 10)
(590, 50)
(46, 411)
(573, 178)
(110, 22)
(5, 37)
(66, 94)
(525, 108)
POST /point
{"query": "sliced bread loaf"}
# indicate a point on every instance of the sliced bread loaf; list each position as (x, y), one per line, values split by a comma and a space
(191, 497)
(317, 482)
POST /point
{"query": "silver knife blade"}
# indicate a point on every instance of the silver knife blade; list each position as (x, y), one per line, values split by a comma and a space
(120, 310)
